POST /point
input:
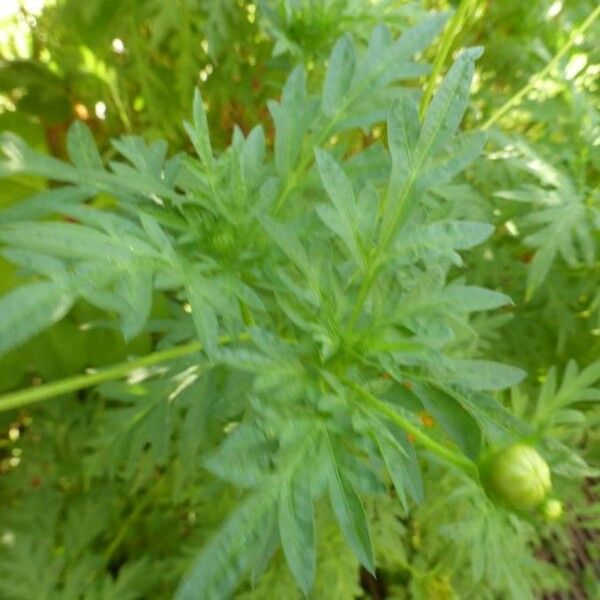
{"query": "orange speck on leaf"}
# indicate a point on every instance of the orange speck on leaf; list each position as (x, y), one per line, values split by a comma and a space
(426, 419)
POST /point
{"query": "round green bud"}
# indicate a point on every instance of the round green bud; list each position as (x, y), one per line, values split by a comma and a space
(518, 476)
(552, 509)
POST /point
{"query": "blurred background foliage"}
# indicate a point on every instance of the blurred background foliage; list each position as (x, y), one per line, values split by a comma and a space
(131, 67)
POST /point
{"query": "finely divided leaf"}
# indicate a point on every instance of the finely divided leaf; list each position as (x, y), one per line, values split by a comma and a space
(287, 241)
(403, 132)
(456, 421)
(470, 298)
(401, 462)
(349, 511)
(199, 133)
(134, 289)
(296, 528)
(420, 36)
(29, 309)
(386, 60)
(47, 203)
(339, 76)
(253, 154)
(23, 159)
(486, 374)
(448, 105)
(464, 149)
(243, 458)
(290, 122)
(71, 240)
(455, 235)
(82, 148)
(223, 561)
(339, 189)
(203, 314)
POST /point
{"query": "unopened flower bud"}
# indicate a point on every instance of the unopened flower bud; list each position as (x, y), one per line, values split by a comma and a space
(517, 476)
(552, 509)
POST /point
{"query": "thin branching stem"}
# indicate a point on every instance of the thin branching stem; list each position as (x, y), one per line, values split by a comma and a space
(46, 391)
(516, 99)
(461, 461)
(453, 28)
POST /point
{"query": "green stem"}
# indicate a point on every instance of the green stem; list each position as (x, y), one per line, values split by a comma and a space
(516, 98)
(452, 29)
(464, 463)
(387, 234)
(46, 391)
(363, 292)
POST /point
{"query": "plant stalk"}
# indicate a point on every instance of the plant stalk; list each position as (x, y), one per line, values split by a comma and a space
(32, 395)
(516, 98)
(461, 461)
(452, 29)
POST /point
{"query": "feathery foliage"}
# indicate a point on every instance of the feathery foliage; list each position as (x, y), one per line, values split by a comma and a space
(317, 353)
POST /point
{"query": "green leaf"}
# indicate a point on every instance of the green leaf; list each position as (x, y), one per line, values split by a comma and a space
(158, 236)
(296, 528)
(253, 154)
(403, 133)
(29, 309)
(287, 241)
(23, 159)
(495, 421)
(290, 122)
(486, 374)
(223, 561)
(464, 149)
(199, 133)
(441, 123)
(419, 37)
(349, 511)
(386, 60)
(203, 314)
(71, 240)
(134, 289)
(455, 235)
(577, 388)
(401, 462)
(49, 202)
(339, 189)
(368, 203)
(448, 105)
(34, 262)
(140, 427)
(269, 544)
(82, 148)
(452, 417)
(339, 76)
(539, 267)
(470, 298)
(244, 458)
